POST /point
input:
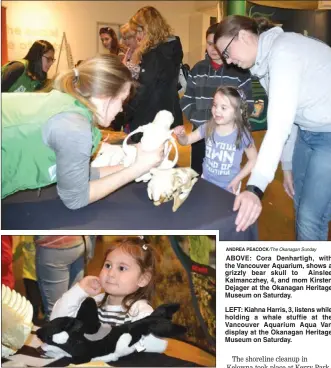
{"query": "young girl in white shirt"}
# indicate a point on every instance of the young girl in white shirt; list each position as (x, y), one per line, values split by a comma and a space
(127, 279)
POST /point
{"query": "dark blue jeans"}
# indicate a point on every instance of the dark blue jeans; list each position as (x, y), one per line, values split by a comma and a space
(312, 184)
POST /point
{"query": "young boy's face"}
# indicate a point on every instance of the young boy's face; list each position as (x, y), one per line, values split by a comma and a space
(211, 50)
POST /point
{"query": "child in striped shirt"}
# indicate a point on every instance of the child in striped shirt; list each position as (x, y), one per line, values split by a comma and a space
(127, 279)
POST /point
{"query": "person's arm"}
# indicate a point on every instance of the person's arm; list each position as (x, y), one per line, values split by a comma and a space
(285, 71)
(284, 88)
(69, 304)
(187, 139)
(69, 135)
(108, 170)
(286, 160)
(288, 149)
(10, 75)
(108, 184)
(251, 153)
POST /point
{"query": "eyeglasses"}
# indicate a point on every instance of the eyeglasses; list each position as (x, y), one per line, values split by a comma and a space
(49, 59)
(225, 53)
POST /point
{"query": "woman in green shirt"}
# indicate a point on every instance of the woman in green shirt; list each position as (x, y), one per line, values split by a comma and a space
(49, 137)
(30, 73)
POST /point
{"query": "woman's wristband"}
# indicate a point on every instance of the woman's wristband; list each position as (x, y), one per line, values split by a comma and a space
(257, 191)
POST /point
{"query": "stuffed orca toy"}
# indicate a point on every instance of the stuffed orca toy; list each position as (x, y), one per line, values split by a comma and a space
(85, 338)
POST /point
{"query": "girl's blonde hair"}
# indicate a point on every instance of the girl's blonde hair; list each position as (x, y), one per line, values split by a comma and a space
(239, 104)
(156, 27)
(145, 257)
(100, 76)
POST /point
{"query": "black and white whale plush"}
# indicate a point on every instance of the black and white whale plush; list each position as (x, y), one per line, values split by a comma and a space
(85, 338)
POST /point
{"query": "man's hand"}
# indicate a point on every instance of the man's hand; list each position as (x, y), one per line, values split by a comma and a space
(249, 206)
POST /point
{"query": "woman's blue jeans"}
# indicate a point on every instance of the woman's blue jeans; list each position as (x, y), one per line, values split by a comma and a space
(58, 270)
(312, 184)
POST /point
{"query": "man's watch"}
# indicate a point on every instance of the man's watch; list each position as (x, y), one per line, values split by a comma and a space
(257, 191)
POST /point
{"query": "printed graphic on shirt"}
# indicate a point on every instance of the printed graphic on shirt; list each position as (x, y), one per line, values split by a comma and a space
(219, 157)
(20, 89)
(222, 158)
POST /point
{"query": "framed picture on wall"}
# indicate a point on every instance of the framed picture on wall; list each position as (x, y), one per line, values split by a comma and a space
(105, 26)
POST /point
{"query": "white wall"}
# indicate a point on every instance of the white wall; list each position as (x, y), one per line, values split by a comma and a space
(28, 21)
(199, 23)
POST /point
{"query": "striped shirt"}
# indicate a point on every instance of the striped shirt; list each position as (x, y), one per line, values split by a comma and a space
(71, 300)
(203, 80)
(115, 315)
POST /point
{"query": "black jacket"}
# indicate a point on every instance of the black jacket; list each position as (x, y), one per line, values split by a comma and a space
(157, 90)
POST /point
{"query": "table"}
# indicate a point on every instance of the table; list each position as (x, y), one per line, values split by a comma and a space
(30, 355)
(208, 207)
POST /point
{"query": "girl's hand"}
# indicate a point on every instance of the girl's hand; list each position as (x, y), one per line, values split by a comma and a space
(234, 185)
(288, 183)
(91, 285)
(179, 131)
(146, 160)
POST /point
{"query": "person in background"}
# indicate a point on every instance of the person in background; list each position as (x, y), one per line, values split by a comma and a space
(159, 55)
(109, 40)
(24, 245)
(227, 136)
(30, 73)
(60, 263)
(295, 71)
(203, 80)
(130, 41)
(50, 137)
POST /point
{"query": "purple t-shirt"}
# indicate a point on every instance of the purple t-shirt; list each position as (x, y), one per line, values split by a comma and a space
(222, 158)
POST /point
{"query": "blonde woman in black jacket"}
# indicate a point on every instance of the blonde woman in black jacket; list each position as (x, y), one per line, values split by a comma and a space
(160, 55)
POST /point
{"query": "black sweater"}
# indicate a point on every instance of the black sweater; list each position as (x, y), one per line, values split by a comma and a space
(159, 70)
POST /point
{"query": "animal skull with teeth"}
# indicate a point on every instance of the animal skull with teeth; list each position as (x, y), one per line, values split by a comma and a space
(16, 321)
(169, 184)
(155, 134)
